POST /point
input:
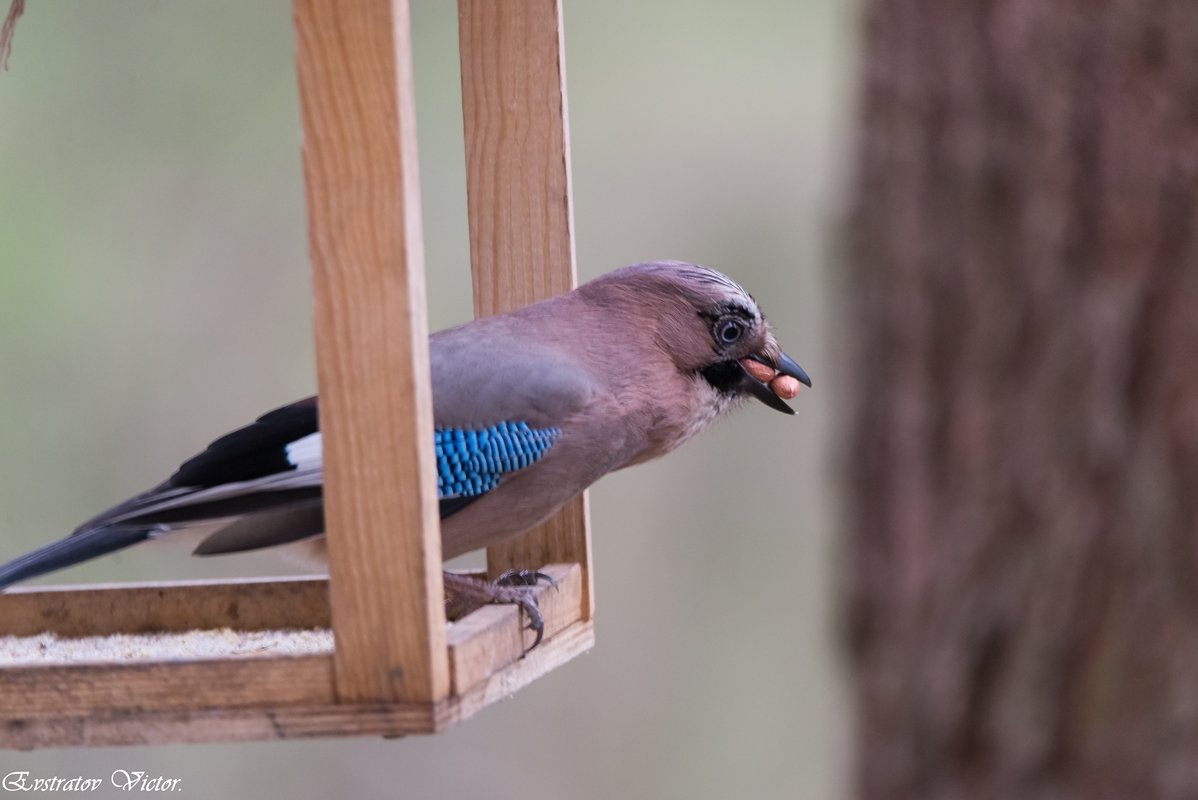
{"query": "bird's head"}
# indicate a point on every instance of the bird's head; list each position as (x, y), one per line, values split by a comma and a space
(711, 328)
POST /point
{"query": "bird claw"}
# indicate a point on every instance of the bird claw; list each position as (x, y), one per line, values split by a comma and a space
(513, 587)
(536, 621)
(524, 577)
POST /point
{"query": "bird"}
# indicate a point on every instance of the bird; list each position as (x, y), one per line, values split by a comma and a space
(530, 408)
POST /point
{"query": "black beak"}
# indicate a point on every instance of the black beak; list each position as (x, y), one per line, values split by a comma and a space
(785, 366)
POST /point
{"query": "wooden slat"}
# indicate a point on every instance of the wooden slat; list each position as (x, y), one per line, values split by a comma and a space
(573, 641)
(167, 685)
(261, 698)
(106, 729)
(519, 202)
(517, 152)
(372, 349)
(103, 609)
(494, 636)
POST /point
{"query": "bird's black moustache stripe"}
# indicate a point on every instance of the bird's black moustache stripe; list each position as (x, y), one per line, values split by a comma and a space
(724, 376)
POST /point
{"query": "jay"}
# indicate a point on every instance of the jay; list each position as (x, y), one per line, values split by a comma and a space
(530, 408)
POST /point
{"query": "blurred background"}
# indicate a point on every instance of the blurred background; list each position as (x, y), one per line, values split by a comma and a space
(154, 293)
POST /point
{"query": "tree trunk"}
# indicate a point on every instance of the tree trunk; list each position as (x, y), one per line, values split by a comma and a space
(1023, 449)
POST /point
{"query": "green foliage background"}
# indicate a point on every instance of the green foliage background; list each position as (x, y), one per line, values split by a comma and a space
(154, 293)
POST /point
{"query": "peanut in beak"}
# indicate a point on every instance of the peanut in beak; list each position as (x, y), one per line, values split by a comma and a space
(760, 371)
(784, 386)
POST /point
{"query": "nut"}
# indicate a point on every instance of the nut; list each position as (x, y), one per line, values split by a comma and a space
(785, 387)
(758, 370)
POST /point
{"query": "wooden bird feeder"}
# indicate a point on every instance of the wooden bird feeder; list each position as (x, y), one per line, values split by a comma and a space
(397, 667)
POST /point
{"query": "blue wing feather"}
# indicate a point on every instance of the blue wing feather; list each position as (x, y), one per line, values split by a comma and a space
(471, 462)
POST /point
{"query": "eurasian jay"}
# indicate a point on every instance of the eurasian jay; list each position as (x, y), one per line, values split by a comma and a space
(530, 408)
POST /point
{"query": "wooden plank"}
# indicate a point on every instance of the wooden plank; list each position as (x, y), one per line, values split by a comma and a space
(573, 641)
(265, 698)
(106, 729)
(364, 232)
(494, 636)
(101, 609)
(519, 203)
(166, 685)
(517, 152)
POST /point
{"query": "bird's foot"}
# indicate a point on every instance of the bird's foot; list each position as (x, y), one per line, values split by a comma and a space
(524, 577)
(513, 587)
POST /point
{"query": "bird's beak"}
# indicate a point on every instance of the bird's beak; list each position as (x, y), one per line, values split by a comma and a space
(787, 366)
(762, 389)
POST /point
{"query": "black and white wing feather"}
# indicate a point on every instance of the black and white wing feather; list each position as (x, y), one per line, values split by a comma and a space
(269, 471)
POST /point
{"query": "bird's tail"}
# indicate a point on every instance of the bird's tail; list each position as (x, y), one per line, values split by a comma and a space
(72, 550)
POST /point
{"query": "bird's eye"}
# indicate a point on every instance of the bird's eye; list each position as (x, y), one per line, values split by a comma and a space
(728, 331)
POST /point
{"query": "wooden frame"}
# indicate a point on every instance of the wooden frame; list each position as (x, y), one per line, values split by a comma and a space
(397, 667)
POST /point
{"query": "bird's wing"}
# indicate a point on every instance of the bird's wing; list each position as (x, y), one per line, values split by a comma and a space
(500, 369)
(497, 411)
(266, 465)
(499, 403)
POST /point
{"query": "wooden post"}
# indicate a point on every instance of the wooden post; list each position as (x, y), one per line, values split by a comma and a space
(518, 196)
(372, 349)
